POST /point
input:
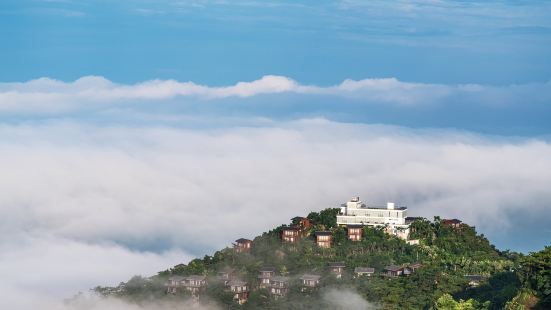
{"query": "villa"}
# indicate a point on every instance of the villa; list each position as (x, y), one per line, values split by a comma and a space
(323, 239)
(309, 281)
(364, 271)
(242, 245)
(336, 268)
(290, 234)
(265, 274)
(240, 290)
(279, 286)
(193, 283)
(393, 217)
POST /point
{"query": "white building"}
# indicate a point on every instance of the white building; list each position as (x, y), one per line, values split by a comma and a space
(391, 216)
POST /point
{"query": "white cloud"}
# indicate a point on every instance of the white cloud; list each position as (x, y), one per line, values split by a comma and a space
(82, 205)
(45, 95)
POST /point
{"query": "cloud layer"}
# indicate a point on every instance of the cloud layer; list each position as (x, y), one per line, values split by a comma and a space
(49, 94)
(83, 204)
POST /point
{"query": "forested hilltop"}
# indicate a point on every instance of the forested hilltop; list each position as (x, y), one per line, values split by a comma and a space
(452, 267)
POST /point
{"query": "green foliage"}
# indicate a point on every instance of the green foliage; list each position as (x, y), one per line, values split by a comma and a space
(536, 275)
(446, 253)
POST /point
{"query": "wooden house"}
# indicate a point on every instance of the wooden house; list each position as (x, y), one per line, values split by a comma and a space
(290, 234)
(194, 283)
(364, 271)
(302, 222)
(279, 286)
(393, 271)
(309, 281)
(226, 274)
(414, 266)
(264, 277)
(336, 268)
(323, 239)
(453, 223)
(240, 290)
(173, 284)
(354, 232)
(242, 245)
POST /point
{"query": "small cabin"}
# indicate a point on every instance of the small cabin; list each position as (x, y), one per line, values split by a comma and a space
(414, 266)
(336, 268)
(290, 234)
(193, 283)
(264, 277)
(364, 271)
(240, 290)
(453, 223)
(242, 245)
(309, 281)
(302, 222)
(279, 286)
(324, 238)
(393, 271)
(173, 284)
(354, 232)
(226, 275)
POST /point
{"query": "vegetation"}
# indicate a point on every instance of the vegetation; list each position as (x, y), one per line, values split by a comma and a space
(447, 255)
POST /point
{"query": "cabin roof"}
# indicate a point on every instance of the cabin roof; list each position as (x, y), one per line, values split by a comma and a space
(336, 264)
(195, 277)
(290, 228)
(243, 240)
(280, 279)
(354, 226)
(267, 269)
(364, 269)
(307, 276)
(393, 268)
(323, 233)
(237, 283)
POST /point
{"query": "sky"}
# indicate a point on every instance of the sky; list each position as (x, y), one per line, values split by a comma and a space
(123, 124)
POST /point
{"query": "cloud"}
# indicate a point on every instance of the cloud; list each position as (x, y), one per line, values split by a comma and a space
(346, 300)
(45, 95)
(86, 204)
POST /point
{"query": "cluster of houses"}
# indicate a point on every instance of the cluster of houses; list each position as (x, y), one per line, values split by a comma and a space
(354, 215)
(277, 285)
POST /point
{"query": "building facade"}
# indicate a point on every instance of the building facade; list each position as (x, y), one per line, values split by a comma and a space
(354, 212)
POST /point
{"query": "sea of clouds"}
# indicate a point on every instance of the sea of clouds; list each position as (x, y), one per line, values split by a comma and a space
(85, 202)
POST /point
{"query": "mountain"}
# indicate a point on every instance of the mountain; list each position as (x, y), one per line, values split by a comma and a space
(445, 265)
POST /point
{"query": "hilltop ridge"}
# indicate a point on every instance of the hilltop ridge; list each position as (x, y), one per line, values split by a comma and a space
(297, 264)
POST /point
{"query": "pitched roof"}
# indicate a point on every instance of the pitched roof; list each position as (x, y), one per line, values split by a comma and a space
(451, 221)
(195, 277)
(243, 240)
(290, 228)
(267, 269)
(307, 276)
(237, 283)
(279, 279)
(336, 264)
(364, 270)
(393, 268)
(323, 233)
(354, 226)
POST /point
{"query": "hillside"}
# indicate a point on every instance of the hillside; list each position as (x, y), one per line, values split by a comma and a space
(452, 267)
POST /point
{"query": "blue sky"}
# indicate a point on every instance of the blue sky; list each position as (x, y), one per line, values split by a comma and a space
(121, 120)
(318, 42)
